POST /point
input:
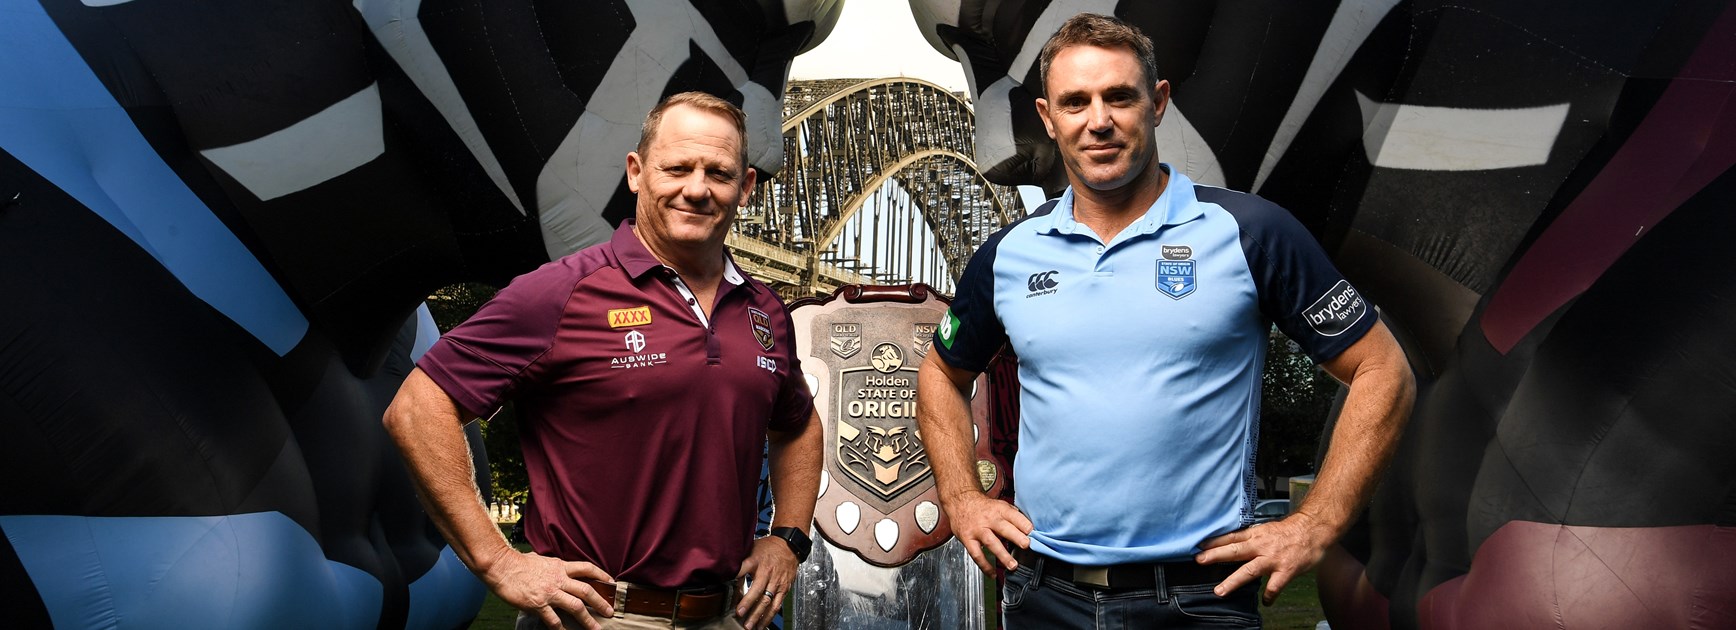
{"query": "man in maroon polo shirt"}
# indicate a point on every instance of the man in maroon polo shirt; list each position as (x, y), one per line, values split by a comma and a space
(648, 373)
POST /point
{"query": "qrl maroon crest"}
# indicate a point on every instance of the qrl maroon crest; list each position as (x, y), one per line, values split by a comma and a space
(877, 494)
(762, 327)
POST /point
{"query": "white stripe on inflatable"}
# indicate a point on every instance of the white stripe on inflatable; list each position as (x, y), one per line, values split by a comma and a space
(320, 147)
(1050, 21)
(1351, 24)
(1424, 138)
(1183, 147)
(575, 184)
(399, 31)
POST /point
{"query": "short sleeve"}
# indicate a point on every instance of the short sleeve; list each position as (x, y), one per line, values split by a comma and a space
(483, 361)
(970, 333)
(1300, 289)
(795, 404)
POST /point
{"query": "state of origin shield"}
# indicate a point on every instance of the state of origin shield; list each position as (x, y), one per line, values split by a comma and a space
(884, 555)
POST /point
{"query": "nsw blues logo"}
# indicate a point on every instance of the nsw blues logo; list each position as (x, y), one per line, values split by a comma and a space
(1176, 278)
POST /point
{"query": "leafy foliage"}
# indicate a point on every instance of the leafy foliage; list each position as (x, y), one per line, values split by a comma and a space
(1295, 397)
(451, 306)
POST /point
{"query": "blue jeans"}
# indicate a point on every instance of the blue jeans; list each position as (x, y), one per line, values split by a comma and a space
(1033, 601)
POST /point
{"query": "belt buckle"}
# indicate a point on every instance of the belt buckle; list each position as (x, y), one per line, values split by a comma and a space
(621, 600)
(1094, 576)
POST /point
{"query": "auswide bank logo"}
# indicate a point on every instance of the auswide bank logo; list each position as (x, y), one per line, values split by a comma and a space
(635, 342)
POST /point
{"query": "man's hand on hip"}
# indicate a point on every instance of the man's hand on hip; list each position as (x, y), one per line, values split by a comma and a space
(540, 585)
(772, 567)
(981, 522)
(1282, 549)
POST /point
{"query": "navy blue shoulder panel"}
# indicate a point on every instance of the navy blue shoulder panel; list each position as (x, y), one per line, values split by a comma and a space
(972, 333)
(1300, 290)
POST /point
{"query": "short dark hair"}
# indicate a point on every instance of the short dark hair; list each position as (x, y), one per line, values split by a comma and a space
(1091, 29)
(697, 100)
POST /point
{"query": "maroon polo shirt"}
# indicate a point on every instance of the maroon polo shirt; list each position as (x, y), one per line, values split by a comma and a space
(643, 429)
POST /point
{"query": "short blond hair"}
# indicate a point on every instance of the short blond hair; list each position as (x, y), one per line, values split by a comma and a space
(697, 100)
(1091, 29)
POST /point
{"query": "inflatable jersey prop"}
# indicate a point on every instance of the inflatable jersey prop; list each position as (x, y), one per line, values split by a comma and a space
(218, 219)
(1538, 195)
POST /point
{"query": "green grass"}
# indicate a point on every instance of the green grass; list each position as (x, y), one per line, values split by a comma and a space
(1298, 608)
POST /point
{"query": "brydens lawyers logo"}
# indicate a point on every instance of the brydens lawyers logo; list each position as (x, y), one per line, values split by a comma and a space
(635, 342)
(1336, 311)
(1042, 283)
(623, 317)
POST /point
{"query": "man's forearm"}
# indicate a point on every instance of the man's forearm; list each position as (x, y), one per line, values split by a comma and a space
(1373, 418)
(796, 458)
(943, 413)
(425, 424)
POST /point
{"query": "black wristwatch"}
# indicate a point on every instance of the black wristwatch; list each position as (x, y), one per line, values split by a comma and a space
(797, 540)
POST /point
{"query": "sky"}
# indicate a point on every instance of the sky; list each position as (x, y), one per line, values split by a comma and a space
(879, 38)
(874, 39)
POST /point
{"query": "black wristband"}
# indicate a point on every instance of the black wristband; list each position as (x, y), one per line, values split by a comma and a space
(797, 539)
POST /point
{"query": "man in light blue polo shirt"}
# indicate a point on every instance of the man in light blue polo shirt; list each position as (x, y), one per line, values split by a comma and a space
(1138, 305)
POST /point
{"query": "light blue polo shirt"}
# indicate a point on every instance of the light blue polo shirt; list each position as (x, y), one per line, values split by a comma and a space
(1140, 361)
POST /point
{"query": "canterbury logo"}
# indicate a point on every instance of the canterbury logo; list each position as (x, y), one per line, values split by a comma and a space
(1042, 281)
(623, 317)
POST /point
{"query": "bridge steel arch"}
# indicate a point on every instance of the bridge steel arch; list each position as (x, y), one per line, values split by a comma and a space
(844, 140)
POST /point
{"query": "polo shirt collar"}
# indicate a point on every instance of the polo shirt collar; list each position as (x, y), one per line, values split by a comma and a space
(1177, 205)
(638, 261)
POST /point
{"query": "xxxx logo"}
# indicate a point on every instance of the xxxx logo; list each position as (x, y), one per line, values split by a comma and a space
(624, 317)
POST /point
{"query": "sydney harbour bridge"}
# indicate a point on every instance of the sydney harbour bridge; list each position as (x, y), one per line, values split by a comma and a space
(829, 218)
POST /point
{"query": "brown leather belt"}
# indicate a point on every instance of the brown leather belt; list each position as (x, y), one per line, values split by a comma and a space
(1120, 576)
(678, 604)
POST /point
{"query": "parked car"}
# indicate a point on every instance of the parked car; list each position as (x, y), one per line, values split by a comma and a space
(1271, 509)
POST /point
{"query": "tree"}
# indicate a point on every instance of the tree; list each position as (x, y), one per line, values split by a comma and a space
(1295, 397)
(450, 306)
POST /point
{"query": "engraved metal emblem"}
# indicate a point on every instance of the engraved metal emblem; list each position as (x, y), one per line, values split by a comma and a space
(878, 448)
(846, 339)
(923, 336)
(887, 358)
(986, 473)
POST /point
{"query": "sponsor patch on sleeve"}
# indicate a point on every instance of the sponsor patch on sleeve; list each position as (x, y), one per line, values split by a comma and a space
(1336, 311)
(948, 329)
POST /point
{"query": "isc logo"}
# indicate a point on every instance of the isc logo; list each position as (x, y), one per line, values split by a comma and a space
(768, 364)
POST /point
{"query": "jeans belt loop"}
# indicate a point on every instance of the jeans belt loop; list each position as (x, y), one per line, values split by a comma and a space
(1162, 583)
(620, 600)
(1037, 573)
